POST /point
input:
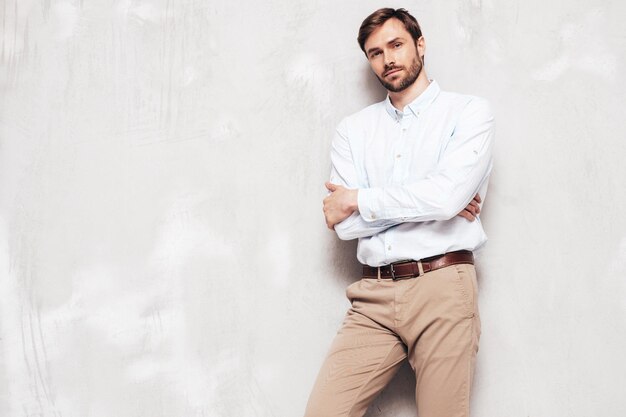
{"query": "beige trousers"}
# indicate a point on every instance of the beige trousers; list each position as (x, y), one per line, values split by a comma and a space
(433, 320)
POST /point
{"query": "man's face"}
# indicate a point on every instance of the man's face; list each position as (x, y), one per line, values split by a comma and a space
(394, 56)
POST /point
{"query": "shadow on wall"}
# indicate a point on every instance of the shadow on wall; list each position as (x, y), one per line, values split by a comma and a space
(373, 89)
(399, 395)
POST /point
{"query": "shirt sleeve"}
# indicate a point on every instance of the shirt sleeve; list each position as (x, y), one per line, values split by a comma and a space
(343, 172)
(464, 167)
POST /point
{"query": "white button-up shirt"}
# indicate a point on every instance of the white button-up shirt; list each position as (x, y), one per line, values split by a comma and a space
(415, 170)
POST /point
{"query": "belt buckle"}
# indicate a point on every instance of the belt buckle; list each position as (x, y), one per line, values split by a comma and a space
(420, 268)
(393, 273)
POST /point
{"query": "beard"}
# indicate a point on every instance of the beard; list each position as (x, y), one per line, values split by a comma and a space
(407, 81)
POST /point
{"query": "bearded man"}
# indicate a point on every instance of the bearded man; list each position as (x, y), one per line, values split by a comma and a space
(406, 180)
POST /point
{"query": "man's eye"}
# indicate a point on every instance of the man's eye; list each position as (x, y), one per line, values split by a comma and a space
(375, 54)
(397, 45)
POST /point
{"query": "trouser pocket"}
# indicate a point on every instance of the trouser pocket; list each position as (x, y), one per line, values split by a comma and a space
(466, 287)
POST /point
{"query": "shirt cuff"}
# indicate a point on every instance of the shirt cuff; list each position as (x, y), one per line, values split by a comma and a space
(369, 204)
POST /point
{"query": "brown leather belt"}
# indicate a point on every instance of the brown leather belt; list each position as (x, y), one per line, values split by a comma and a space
(411, 269)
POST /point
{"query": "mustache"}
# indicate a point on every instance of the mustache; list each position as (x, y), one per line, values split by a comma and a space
(388, 69)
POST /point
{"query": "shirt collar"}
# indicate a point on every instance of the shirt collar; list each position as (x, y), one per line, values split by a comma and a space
(418, 105)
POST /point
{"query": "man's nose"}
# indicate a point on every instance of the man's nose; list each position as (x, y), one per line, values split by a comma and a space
(389, 59)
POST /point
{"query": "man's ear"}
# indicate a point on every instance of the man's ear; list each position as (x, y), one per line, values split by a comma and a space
(420, 44)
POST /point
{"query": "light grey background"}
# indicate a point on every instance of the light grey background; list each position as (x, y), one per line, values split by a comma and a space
(163, 250)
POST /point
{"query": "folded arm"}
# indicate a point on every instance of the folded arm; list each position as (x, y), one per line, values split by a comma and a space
(448, 190)
(355, 211)
(340, 206)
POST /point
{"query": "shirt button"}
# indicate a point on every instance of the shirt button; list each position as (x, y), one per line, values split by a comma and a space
(373, 216)
(398, 156)
(389, 247)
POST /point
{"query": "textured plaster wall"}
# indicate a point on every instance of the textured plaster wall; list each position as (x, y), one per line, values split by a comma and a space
(162, 245)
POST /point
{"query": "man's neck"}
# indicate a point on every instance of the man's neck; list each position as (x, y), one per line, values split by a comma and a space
(404, 97)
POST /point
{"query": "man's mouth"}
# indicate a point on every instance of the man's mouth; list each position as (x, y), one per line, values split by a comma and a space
(392, 71)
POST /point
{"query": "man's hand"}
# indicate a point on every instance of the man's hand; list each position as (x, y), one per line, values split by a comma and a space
(472, 210)
(339, 204)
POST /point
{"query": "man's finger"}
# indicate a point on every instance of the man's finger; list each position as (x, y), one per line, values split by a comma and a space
(330, 186)
(466, 215)
(477, 198)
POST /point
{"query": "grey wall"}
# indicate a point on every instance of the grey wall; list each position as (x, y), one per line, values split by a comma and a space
(162, 246)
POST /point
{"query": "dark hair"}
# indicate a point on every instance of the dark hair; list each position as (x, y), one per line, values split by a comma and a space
(380, 16)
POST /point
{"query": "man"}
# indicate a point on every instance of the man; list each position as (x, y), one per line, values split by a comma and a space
(407, 175)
